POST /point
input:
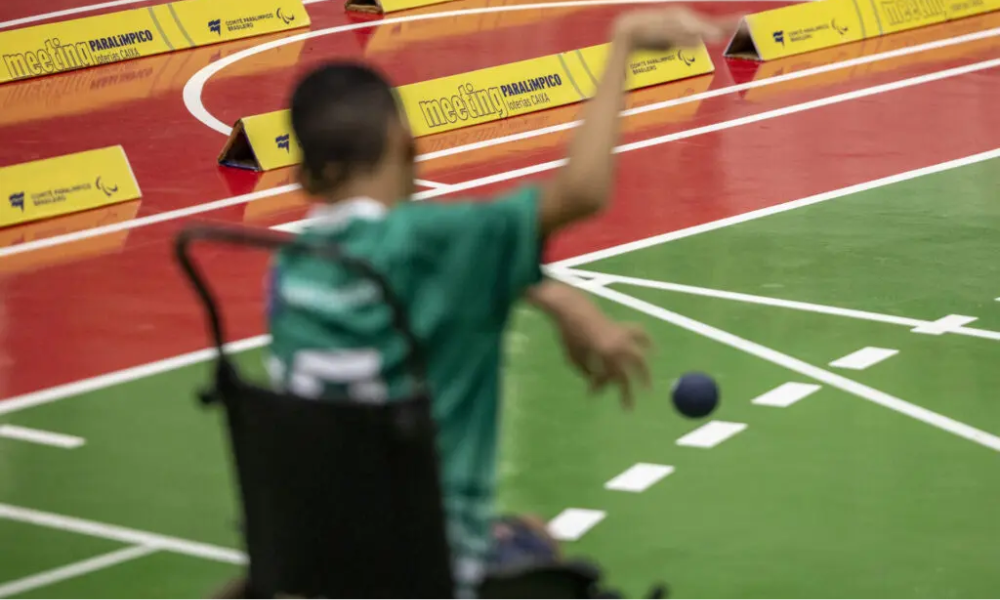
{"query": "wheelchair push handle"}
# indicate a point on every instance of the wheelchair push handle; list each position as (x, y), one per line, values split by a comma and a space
(272, 240)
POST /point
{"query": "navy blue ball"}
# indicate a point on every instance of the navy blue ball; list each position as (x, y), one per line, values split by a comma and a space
(695, 395)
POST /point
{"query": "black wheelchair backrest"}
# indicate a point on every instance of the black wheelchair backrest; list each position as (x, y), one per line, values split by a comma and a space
(340, 499)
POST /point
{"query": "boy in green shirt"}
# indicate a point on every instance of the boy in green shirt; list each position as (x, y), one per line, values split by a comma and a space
(458, 268)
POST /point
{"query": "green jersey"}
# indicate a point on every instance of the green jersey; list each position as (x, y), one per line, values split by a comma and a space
(457, 268)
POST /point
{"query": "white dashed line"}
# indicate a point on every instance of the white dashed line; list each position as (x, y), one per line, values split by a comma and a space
(786, 394)
(864, 358)
(572, 523)
(639, 477)
(711, 434)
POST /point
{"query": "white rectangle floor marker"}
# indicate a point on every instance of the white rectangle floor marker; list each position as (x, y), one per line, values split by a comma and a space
(639, 477)
(711, 434)
(37, 436)
(572, 523)
(785, 394)
(864, 358)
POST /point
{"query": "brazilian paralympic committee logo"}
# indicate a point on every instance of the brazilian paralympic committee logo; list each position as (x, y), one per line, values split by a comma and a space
(17, 200)
(286, 18)
(109, 190)
(779, 37)
(215, 26)
(687, 60)
(284, 142)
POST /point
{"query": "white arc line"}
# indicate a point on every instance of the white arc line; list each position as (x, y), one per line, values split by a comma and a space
(893, 403)
(194, 87)
(195, 105)
(19, 586)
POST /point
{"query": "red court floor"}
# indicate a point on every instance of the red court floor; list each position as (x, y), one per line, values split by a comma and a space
(84, 307)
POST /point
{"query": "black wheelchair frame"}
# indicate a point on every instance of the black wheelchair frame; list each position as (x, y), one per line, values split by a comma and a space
(342, 499)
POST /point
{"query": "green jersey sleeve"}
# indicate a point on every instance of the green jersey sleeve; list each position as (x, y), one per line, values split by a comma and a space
(485, 254)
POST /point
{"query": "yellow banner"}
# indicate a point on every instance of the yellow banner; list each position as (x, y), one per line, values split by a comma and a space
(869, 47)
(65, 185)
(114, 37)
(532, 85)
(811, 26)
(265, 142)
(491, 94)
(205, 22)
(632, 125)
(272, 140)
(262, 143)
(798, 28)
(900, 15)
(88, 90)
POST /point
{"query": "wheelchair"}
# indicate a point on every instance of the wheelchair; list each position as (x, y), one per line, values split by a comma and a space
(342, 499)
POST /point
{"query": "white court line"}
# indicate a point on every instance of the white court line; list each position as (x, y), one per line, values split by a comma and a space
(193, 89)
(84, 9)
(639, 477)
(786, 394)
(538, 168)
(37, 436)
(732, 89)
(711, 434)
(145, 221)
(913, 324)
(864, 358)
(125, 375)
(572, 523)
(429, 184)
(946, 324)
(689, 133)
(46, 578)
(893, 403)
(125, 535)
(773, 210)
(91, 384)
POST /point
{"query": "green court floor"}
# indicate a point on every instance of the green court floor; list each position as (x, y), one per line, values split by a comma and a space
(882, 483)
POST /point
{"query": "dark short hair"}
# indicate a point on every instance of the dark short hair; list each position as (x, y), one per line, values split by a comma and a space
(340, 115)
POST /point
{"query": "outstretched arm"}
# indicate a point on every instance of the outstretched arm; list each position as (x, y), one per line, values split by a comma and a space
(583, 187)
(602, 350)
